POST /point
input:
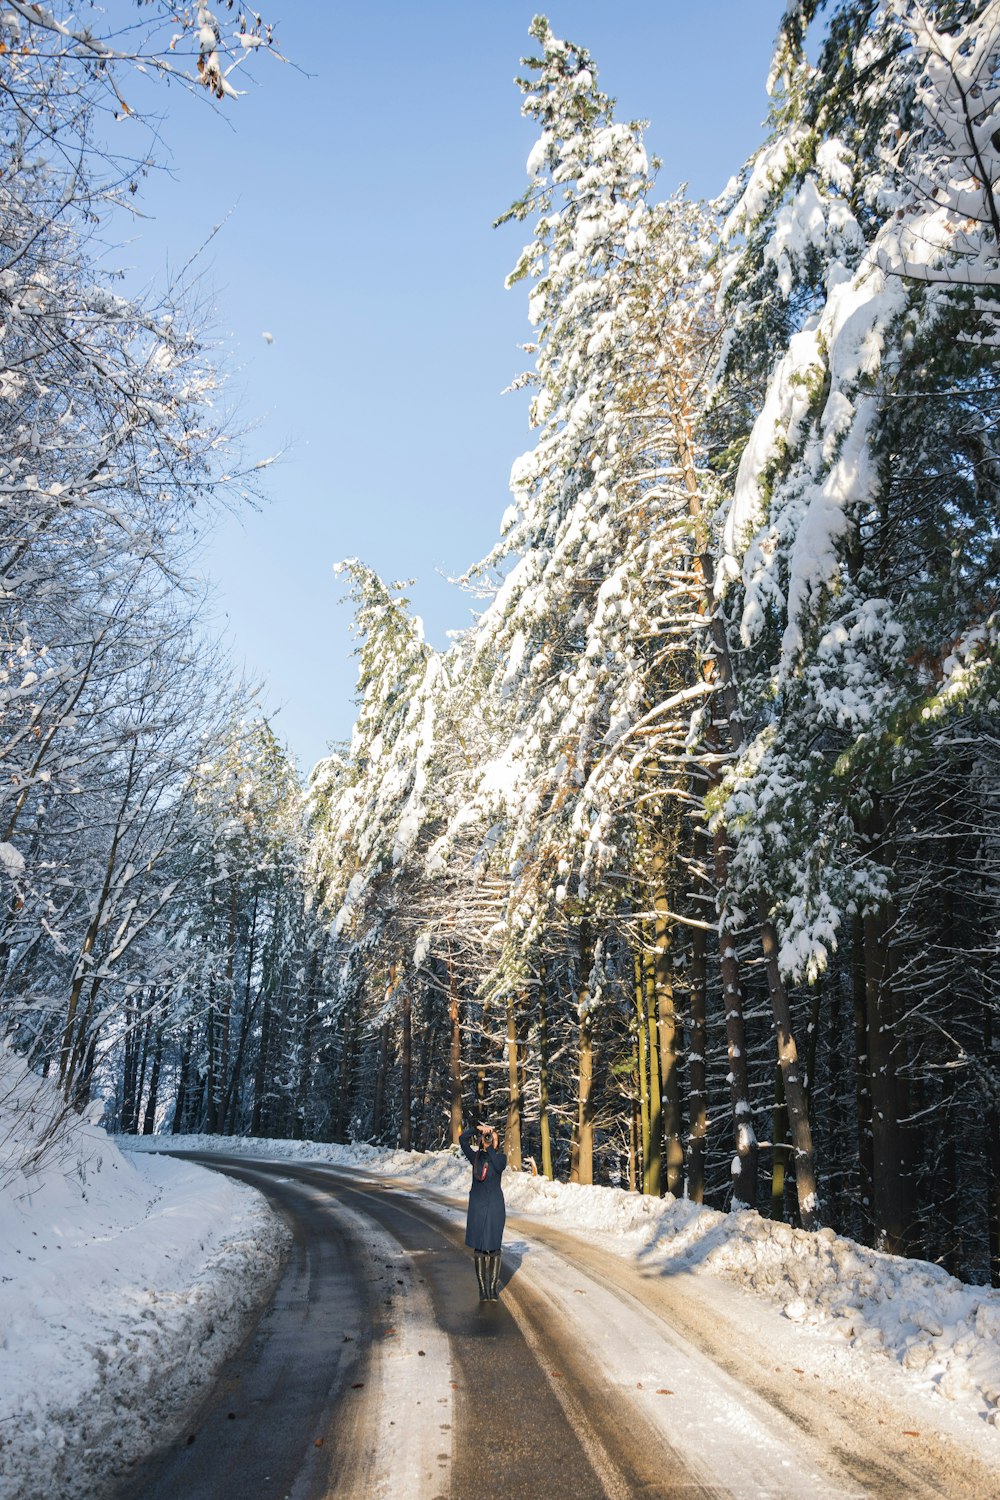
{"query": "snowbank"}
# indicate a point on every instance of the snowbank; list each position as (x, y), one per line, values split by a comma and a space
(943, 1334)
(124, 1282)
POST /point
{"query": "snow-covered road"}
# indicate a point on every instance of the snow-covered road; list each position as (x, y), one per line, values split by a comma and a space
(591, 1377)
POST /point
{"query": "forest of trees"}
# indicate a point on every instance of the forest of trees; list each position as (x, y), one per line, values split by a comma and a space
(682, 863)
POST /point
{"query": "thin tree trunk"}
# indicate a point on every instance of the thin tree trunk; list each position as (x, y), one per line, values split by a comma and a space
(582, 1166)
(222, 1062)
(793, 1086)
(993, 1162)
(744, 1163)
(149, 1119)
(180, 1103)
(261, 1070)
(381, 1070)
(670, 1088)
(697, 1100)
(246, 1021)
(130, 1107)
(863, 1081)
(212, 1080)
(653, 1165)
(641, 1051)
(633, 1140)
(892, 1209)
(779, 1130)
(347, 1034)
(455, 1056)
(512, 1140)
(406, 1061)
(543, 1076)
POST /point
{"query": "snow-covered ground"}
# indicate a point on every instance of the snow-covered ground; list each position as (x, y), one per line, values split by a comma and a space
(907, 1328)
(124, 1282)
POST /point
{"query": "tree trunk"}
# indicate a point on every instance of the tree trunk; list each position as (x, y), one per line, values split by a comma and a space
(641, 1051)
(893, 1213)
(697, 1101)
(381, 1070)
(260, 1076)
(183, 1084)
(146, 1032)
(246, 1021)
(744, 1163)
(653, 1164)
(670, 1088)
(993, 1189)
(130, 1105)
(582, 1166)
(543, 1076)
(455, 1057)
(633, 1143)
(149, 1119)
(345, 1072)
(792, 1082)
(406, 1061)
(512, 1139)
(779, 1131)
(863, 1080)
(212, 1078)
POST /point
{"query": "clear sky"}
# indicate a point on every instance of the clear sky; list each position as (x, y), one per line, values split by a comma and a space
(358, 192)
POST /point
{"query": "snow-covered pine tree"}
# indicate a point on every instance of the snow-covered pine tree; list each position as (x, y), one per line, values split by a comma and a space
(377, 814)
(859, 552)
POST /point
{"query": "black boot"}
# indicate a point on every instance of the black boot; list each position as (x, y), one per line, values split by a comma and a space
(494, 1276)
(482, 1272)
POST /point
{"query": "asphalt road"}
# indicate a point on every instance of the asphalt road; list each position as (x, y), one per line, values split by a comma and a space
(375, 1370)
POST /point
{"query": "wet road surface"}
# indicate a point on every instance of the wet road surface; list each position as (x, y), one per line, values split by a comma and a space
(375, 1370)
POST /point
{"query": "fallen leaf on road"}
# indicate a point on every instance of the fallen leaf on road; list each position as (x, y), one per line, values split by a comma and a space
(663, 1392)
(317, 1442)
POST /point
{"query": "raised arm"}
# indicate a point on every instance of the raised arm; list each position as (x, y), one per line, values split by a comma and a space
(464, 1140)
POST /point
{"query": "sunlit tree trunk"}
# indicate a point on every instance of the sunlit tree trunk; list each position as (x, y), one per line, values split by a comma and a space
(512, 1140)
(642, 1067)
(406, 1062)
(697, 1098)
(455, 1056)
(582, 1165)
(544, 1129)
(670, 1091)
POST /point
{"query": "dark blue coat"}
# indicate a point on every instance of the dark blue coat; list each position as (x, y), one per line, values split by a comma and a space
(487, 1210)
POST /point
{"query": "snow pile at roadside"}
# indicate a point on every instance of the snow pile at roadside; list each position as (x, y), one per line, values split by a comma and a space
(123, 1285)
(944, 1334)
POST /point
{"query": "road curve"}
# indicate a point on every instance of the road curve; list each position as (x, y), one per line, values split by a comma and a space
(375, 1371)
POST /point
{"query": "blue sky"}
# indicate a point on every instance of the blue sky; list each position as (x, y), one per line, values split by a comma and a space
(358, 191)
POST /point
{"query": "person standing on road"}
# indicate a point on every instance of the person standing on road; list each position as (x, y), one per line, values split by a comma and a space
(487, 1210)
